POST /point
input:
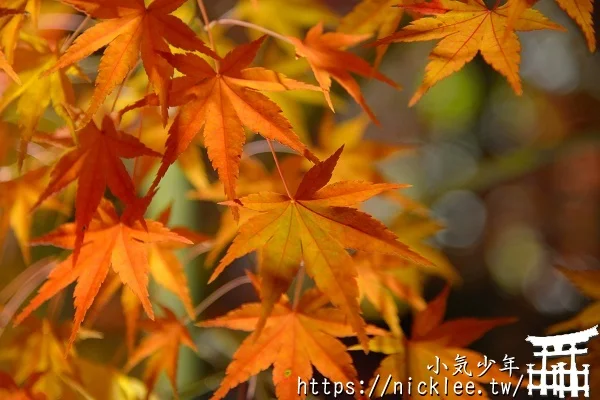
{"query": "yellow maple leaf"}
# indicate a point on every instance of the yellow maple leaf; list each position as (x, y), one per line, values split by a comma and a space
(315, 225)
(465, 29)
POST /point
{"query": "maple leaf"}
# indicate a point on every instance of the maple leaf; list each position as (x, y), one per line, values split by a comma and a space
(223, 102)
(326, 53)
(432, 338)
(153, 134)
(416, 229)
(588, 282)
(16, 199)
(12, 17)
(6, 67)
(466, 29)
(315, 226)
(162, 348)
(295, 339)
(10, 390)
(96, 164)
(129, 28)
(166, 270)
(38, 349)
(361, 155)
(34, 93)
(110, 241)
(382, 279)
(373, 17)
(580, 10)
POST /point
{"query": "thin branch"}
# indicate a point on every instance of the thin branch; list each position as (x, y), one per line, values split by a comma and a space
(237, 22)
(287, 190)
(74, 35)
(216, 295)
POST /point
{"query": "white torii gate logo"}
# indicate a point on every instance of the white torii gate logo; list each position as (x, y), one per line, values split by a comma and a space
(561, 346)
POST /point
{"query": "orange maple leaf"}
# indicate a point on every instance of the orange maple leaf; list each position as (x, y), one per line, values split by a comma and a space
(110, 241)
(326, 53)
(315, 226)
(295, 338)
(96, 164)
(129, 28)
(223, 101)
(431, 340)
(166, 270)
(466, 29)
(162, 346)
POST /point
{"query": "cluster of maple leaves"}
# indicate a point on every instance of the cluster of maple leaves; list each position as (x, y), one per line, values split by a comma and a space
(300, 219)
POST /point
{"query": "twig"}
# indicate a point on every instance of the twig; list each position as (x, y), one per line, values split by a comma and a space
(75, 33)
(287, 190)
(216, 295)
(237, 22)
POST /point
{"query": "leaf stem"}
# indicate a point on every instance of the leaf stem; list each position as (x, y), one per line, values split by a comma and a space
(197, 250)
(139, 136)
(216, 295)
(287, 190)
(298, 287)
(237, 22)
(75, 33)
(207, 23)
(114, 105)
(16, 293)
